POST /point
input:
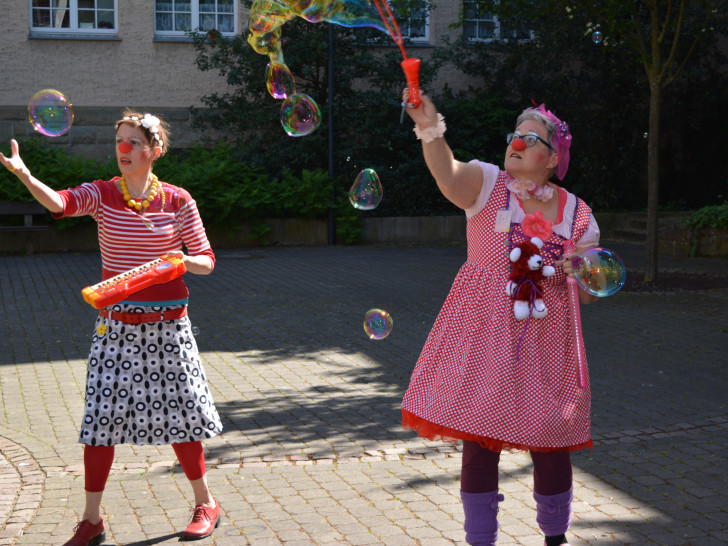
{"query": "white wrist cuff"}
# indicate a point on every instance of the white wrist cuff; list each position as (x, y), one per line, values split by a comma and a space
(431, 133)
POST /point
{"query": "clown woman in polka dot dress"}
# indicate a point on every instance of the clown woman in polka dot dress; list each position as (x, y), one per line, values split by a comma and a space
(145, 383)
(484, 376)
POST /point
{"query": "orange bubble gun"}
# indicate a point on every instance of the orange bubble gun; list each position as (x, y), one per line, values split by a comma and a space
(411, 67)
(118, 288)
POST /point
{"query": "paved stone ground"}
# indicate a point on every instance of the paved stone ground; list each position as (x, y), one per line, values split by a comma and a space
(312, 451)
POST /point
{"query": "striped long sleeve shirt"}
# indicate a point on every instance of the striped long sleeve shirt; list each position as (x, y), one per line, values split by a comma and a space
(128, 239)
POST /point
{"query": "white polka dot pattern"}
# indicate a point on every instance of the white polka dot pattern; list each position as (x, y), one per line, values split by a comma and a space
(467, 381)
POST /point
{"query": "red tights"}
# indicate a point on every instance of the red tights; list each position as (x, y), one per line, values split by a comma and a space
(97, 462)
(551, 470)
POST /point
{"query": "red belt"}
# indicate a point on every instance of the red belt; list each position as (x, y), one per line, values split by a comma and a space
(141, 318)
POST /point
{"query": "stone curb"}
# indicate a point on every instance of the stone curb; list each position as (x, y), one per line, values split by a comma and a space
(21, 490)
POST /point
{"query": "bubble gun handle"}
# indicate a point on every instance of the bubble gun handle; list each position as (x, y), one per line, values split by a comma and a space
(411, 69)
(575, 323)
(576, 334)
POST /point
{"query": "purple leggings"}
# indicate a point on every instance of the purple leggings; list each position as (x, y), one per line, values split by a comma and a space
(551, 470)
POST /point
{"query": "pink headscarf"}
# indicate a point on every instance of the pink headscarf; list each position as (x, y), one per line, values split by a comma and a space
(561, 140)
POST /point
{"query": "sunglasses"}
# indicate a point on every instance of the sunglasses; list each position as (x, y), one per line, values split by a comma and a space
(530, 139)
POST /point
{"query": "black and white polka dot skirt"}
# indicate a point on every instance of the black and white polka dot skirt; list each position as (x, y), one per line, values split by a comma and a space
(145, 384)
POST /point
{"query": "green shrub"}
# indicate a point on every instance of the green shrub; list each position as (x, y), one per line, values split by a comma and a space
(715, 216)
(228, 191)
(55, 167)
(52, 165)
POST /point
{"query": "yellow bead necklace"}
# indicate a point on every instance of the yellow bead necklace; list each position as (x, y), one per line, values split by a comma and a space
(142, 203)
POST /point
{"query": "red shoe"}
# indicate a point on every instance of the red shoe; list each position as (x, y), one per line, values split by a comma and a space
(88, 534)
(204, 521)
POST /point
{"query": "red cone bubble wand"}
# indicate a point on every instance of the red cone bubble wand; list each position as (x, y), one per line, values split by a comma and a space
(411, 66)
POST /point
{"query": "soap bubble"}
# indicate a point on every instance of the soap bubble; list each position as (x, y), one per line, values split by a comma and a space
(599, 271)
(366, 193)
(50, 113)
(645, 135)
(597, 37)
(300, 115)
(377, 324)
(279, 81)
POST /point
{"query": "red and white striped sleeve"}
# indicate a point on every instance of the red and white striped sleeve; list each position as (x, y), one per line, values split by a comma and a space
(83, 200)
(192, 230)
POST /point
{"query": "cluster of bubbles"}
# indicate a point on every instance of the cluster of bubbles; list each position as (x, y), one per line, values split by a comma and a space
(366, 194)
(599, 271)
(50, 113)
(300, 115)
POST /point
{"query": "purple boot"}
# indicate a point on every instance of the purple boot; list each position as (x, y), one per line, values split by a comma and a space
(481, 523)
(553, 512)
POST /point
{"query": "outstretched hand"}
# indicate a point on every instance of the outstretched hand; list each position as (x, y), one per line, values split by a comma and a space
(13, 163)
(425, 115)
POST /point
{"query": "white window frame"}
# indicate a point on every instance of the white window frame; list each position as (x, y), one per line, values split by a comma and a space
(489, 19)
(75, 29)
(195, 21)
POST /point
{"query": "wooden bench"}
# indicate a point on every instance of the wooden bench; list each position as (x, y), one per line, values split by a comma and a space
(27, 210)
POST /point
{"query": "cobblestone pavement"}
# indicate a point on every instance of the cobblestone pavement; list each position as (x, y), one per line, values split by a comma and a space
(313, 452)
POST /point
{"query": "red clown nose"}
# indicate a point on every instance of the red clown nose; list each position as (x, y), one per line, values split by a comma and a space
(125, 147)
(518, 144)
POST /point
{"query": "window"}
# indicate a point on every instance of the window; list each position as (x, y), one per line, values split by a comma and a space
(486, 26)
(416, 27)
(177, 17)
(73, 16)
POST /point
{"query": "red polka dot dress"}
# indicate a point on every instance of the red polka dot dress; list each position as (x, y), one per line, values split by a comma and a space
(467, 383)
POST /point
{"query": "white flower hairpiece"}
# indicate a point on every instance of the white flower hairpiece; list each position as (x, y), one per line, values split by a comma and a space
(150, 123)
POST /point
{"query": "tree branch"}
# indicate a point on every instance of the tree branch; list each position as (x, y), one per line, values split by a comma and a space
(668, 16)
(708, 16)
(665, 69)
(639, 44)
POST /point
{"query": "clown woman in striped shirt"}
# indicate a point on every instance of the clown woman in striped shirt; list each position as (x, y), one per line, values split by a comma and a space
(145, 383)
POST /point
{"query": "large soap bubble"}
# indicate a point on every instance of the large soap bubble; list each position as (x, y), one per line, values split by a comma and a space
(599, 271)
(279, 81)
(366, 192)
(300, 115)
(50, 113)
(268, 16)
(377, 324)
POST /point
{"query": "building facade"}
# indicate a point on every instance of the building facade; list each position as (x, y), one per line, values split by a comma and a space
(106, 55)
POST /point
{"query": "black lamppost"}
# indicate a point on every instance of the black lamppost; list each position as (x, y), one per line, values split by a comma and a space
(332, 207)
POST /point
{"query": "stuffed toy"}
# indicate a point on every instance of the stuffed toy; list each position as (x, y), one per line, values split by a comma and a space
(523, 284)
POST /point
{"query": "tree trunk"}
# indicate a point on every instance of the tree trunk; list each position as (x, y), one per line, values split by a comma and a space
(653, 182)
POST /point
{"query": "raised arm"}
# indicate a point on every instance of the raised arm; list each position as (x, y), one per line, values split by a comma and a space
(46, 196)
(459, 182)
